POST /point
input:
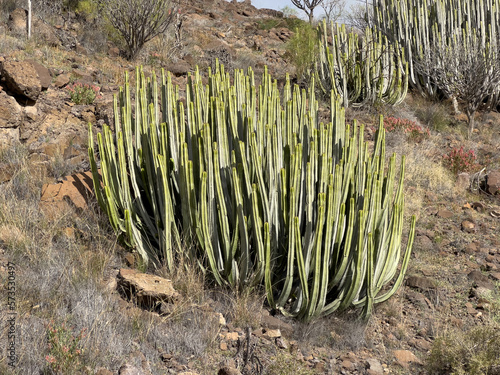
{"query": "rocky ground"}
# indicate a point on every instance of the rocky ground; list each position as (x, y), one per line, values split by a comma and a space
(70, 269)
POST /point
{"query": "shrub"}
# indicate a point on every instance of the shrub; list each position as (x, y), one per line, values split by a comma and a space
(303, 51)
(138, 21)
(475, 352)
(458, 160)
(64, 349)
(83, 93)
(434, 116)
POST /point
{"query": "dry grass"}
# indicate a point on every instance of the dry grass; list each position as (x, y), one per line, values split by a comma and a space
(61, 265)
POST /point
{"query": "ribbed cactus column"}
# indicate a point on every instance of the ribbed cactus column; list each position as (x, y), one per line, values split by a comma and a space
(421, 25)
(361, 70)
(269, 195)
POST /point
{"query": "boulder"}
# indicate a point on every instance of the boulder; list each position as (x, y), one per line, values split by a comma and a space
(493, 182)
(11, 114)
(43, 74)
(22, 79)
(149, 291)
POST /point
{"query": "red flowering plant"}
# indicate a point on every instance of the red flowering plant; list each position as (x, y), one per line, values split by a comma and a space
(83, 93)
(64, 348)
(458, 160)
(412, 130)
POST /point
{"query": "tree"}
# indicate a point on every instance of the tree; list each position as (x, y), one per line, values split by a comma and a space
(138, 21)
(464, 66)
(307, 6)
(333, 9)
(360, 16)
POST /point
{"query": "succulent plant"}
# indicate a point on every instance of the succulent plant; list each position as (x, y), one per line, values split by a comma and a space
(270, 195)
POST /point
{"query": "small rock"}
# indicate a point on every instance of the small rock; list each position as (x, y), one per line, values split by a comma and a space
(495, 276)
(347, 365)
(272, 334)
(405, 357)
(271, 322)
(62, 80)
(227, 370)
(422, 283)
(480, 280)
(148, 290)
(468, 226)
(374, 367)
(130, 370)
(222, 321)
(103, 371)
(232, 336)
(223, 346)
(471, 248)
(470, 309)
(281, 343)
(444, 213)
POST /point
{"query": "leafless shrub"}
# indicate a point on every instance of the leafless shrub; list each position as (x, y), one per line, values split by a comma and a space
(138, 21)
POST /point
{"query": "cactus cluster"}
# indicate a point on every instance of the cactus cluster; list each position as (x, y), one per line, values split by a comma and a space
(270, 195)
(419, 26)
(361, 69)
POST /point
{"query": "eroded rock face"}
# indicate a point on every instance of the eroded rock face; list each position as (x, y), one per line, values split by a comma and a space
(75, 190)
(21, 78)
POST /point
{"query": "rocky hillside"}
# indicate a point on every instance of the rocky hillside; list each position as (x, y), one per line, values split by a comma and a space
(84, 304)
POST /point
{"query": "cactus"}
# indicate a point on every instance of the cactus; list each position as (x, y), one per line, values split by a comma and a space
(270, 195)
(421, 25)
(363, 69)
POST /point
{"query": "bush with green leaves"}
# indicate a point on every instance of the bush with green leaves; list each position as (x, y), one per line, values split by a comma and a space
(303, 51)
(270, 195)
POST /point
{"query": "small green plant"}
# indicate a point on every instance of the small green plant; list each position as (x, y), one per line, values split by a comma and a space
(413, 131)
(64, 349)
(83, 93)
(458, 160)
(474, 352)
(303, 51)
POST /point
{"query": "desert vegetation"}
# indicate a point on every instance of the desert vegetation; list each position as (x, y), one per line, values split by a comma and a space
(310, 192)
